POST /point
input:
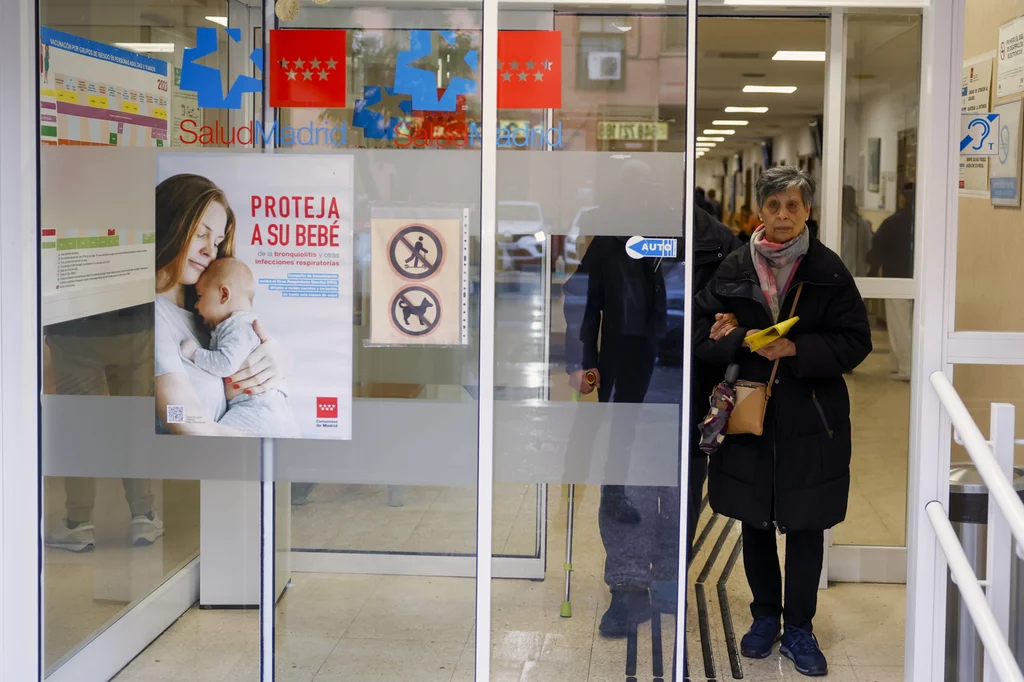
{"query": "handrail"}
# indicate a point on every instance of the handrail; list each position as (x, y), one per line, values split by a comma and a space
(999, 487)
(992, 637)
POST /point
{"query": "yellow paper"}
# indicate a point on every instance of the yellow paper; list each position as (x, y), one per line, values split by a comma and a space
(762, 338)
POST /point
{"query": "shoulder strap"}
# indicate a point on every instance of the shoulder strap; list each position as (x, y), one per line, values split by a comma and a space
(792, 312)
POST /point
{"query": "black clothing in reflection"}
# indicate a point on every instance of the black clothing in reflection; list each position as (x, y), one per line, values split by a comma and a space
(624, 317)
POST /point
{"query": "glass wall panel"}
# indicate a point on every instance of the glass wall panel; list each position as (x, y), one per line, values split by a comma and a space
(124, 509)
(591, 139)
(383, 526)
(877, 240)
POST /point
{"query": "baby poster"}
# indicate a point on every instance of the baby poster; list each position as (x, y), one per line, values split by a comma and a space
(254, 295)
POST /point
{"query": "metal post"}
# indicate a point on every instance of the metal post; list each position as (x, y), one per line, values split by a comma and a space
(566, 611)
(999, 556)
(268, 570)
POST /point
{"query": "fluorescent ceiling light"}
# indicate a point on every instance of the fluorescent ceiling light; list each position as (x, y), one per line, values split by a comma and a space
(147, 47)
(799, 56)
(223, 21)
(729, 123)
(746, 110)
(708, 145)
(710, 139)
(716, 131)
(771, 89)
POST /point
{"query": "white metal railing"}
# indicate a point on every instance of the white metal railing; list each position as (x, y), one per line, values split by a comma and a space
(994, 463)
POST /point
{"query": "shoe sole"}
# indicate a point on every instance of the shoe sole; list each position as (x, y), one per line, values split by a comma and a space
(806, 673)
(76, 547)
(748, 654)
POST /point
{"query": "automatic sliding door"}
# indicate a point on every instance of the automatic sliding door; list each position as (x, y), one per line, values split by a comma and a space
(591, 141)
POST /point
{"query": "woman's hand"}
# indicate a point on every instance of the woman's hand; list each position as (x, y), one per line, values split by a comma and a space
(750, 332)
(779, 348)
(724, 325)
(264, 369)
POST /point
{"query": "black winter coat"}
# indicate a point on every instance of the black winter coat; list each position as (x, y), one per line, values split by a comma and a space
(797, 474)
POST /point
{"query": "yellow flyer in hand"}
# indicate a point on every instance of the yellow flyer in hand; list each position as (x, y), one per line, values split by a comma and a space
(759, 340)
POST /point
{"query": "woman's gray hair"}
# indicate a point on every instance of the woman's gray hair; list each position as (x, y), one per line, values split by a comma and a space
(782, 178)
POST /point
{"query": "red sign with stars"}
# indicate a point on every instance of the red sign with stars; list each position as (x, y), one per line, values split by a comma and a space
(307, 68)
(529, 69)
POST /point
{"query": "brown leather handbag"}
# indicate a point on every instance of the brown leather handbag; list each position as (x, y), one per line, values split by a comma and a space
(752, 397)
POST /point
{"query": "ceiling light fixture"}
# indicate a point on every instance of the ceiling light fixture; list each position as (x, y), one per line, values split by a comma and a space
(729, 123)
(223, 21)
(746, 110)
(709, 145)
(710, 139)
(770, 89)
(147, 47)
(799, 56)
(717, 131)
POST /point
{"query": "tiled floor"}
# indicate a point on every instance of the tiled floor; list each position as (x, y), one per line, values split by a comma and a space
(85, 592)
(388, 628)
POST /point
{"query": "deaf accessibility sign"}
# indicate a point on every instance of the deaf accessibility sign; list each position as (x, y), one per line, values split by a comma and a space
(979, 134)
(644, 247)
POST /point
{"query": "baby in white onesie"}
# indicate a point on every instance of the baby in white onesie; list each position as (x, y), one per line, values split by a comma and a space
(226, 290)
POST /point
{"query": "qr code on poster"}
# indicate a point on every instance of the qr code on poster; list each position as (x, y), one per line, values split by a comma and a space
(175, 414)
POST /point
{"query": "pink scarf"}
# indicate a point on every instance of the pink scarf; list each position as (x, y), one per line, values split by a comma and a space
(768, 255)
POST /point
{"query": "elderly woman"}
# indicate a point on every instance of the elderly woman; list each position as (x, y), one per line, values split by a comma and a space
(793, 479)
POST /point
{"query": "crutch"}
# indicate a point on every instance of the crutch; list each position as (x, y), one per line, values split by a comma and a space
(570, 517)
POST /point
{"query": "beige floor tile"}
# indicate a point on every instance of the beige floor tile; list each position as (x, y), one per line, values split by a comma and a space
(418, 609)
(378, 660)
(301, 658)
(318, 605)
(879, 674)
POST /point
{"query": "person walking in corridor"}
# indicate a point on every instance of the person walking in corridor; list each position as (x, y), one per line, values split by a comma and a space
(794, 479)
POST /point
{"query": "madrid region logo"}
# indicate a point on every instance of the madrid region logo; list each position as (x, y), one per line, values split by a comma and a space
(429, 76)
(205, 81)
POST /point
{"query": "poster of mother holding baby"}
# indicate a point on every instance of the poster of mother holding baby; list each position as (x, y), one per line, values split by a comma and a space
(254, 295)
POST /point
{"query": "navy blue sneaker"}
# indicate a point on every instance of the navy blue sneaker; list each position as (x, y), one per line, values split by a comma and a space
(802, 648)
(760, 638)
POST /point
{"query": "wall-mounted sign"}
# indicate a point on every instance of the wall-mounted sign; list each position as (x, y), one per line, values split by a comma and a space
(979, 134)
(1010, 58)
(632, 130)
(1005, 183)
(975, 98)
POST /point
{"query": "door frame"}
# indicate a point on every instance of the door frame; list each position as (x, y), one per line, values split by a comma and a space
(937, 345)
(20, 483)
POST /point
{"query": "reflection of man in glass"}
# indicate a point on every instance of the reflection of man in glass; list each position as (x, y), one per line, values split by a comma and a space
(892, 255)
(622, 326)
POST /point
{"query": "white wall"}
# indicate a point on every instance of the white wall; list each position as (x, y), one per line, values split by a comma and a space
(881, 115)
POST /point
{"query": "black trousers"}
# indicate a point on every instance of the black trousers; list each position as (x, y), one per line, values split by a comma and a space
(805, 550)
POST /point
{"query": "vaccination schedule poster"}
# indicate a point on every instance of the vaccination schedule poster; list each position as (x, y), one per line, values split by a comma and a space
(246, 237)
(95, 94)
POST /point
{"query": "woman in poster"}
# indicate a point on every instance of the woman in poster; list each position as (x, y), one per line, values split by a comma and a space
(194, 227)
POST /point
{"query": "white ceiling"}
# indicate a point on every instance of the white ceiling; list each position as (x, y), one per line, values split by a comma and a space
(736, 52)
